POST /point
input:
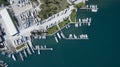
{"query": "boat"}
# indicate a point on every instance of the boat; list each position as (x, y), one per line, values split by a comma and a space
(38, 49)
(75, 36)
(28, 50)
(25, 53)
(76, 25)
(94, 8)
(30, 45)
(21, 56)
(3, 64)
(62, 35)
(58, 35)
(13, 57)
(56, 39)
(70, 36)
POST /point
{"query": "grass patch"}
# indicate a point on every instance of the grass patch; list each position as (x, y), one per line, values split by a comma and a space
(73, 16)
(19, 47)
(52, 30)
(65, 22)
(50, 7)
(80, 5)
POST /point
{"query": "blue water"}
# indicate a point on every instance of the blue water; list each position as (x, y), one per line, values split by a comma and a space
(101, 50)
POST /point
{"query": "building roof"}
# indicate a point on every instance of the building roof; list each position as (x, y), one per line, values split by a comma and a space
(8, 22)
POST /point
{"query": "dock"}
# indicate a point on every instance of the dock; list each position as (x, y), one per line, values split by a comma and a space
(84, 21)
(93, 8)
(74, 37)
(39, 48)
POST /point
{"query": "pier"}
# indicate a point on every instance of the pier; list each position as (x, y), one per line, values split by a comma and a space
(85, 21)
(93, 8)
(39, 48)
(75, 37)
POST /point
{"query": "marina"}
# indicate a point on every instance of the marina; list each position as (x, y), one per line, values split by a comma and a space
(100, 51)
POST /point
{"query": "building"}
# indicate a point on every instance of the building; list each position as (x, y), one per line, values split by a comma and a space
(7, 21)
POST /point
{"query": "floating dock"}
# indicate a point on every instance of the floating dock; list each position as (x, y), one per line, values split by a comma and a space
(39, 48)
(93, 8)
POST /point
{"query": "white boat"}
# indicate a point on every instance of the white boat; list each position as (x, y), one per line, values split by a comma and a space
(21, 56)
(79, 20)
(25, 53)
(75, 36)
(58, 35)
(13, 57)
(68, 26)
(62, 35)
(56, 39)
(94, 8)
(86, 36)
(70, 36)
(28, 50)
(76, 25)
(80, 24)
(38, 50)
(30, 44)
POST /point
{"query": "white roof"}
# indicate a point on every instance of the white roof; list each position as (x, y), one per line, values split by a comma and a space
(8, 22)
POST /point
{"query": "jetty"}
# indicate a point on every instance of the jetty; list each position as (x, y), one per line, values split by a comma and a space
(75, 37)
(39, 48)
(84, 21)
(93, 8)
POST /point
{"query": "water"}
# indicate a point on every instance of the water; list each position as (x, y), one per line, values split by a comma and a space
(102, 50)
